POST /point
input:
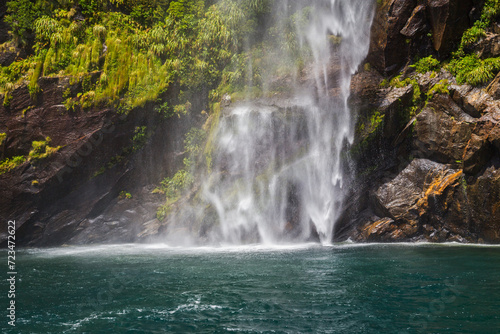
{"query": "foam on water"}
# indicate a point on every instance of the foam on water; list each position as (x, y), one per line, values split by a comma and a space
(165, 249)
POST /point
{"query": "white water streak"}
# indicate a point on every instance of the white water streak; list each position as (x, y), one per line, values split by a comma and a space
(279, 175)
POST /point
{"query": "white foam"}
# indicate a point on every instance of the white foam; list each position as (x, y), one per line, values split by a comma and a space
(131, 249)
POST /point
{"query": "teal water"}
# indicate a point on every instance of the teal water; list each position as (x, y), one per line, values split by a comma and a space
(299, 289)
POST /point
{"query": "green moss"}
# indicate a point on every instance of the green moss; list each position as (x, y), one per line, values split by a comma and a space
(125, 195)
(473, 70)
(426, 64)
(491, 10)
(41, 149)
(469, 68)
(3, 135)
(398, 83)
(7, 99)
(384, 83)
(9, 164)
(140, 137)
(100, 171)
(440, 88)
(471, 36)
(375, 120)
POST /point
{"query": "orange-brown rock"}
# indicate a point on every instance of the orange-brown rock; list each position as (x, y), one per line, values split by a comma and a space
(398, 198)
(385, 230)
(426, 200)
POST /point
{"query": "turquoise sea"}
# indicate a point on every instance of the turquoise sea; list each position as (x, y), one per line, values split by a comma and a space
(345, 288)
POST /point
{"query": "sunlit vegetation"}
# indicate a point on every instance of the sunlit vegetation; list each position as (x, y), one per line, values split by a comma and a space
(491, 10)
(427, 64)
(41, 149)
(136, 49)
(440, 88)
(466, 65)
(9, 164)
(473, 70)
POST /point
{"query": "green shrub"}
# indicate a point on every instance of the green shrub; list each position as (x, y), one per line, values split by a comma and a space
(9, 164)
(491, 10)
(125, 195)
(473, 70)
(41, 149)
(426, 64)
(20, 16)
(139, 139)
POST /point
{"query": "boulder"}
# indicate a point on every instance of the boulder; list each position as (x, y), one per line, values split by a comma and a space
(476, 154)
(484, 142)
(397, 198)
(448, 19)
(388, 47)
(489, 46)
(444, 206)
(476, 102)
(385, 230)
(392, 106)
(426, 199)
(488, 126)
(417, 23)
(471, 100)
(441, 133)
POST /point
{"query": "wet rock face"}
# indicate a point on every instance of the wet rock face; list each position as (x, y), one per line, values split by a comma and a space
(404, 29)
(449, 19)
(440, 136)
(428, 166)
(484, 194)
(447, 187)
(73, 195)
(425, 173)
(389, 50)
(397, 198)
(427, 200)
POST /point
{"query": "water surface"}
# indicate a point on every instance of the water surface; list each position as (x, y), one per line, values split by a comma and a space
(256, 289)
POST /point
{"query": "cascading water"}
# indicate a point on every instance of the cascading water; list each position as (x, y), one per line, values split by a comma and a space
(277, 174)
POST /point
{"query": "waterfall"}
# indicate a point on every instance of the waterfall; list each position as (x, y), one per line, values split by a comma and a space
(277, 171)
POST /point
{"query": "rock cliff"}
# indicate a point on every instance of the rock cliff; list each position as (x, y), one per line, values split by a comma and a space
(427, 146)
